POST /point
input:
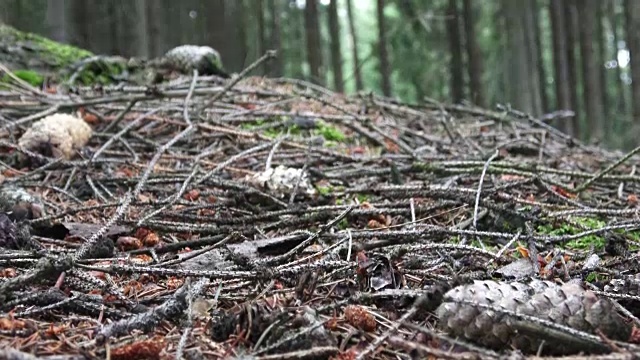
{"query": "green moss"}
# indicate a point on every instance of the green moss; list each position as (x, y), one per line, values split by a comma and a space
(362, 197)
(343, 224)
(59, 55)
(585, 242)
(329, 132)
(325, 190)
(31, 77)
(592, 277)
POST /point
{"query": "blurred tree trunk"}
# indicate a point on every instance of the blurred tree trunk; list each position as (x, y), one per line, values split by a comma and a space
(500, 40)
(455, 48)
(592, 88)
(385, 67)
(632, 15)
(131, 35)
(474, 54)
(276, 38)
(55, 20)
(600, 61)
(617, 25)
(336, 53)
(28, 16)
(536, 56)
(173, 22)
(571, 20)
(102, 37)
(219, 33)
(518, 86)
(262, 30)
(236, 58)
(155, 29)
(560, 64)
(314, 51)
(78, 23)
(296, 57)
(354, 47)
(531, 57)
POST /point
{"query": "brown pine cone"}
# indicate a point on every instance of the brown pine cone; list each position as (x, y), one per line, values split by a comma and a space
(569, 305)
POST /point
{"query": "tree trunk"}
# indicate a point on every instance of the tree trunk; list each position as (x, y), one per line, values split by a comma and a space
(560, 64)
(536, 55)
(131, 27)
(56, 20)
(78, 23)
(276, 42)
(102, 35)
(571, 20)
(218, 33)
(154, 13)
(336, 53)
(519, 88)
(600, 60)
(617, 25)
(592, 88)
(173, 22)
(262, 30)
(236, 58)
(455, 48)
(314, 52)
(385, 67)
(474, 55)
(354, 47)
(296, 56)
(632, 14)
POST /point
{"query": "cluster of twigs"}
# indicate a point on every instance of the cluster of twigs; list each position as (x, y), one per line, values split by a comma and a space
(413, 200)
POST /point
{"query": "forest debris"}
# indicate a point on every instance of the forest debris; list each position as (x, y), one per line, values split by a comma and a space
(282, 180)
(516, 270)
(57, 135)
(462, 314)
(8, 233)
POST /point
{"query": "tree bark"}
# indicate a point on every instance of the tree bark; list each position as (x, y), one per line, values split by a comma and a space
(455, 49)
(78, 26)
(632, 14)
(560, 64)
(296, 47)
(536, 56)
(601, 58)
(354, 47)
(383, 54)
(571, 20)
(132, 25)
(474, 55)
(262, 30)
(102, 36)
(617, 25)
(219, 34)
(592, 88)
(519, 87)
(236, 58)
(314, 52)
(336, 51)
(276, 68)
(56, 20)
(155, 46)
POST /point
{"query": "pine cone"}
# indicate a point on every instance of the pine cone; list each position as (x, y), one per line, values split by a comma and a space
(187, 58)
(8, 233)
(568, 305)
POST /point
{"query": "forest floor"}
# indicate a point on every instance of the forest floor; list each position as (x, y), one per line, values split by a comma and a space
(274, 219)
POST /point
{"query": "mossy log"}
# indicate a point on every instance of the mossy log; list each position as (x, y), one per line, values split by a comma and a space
(21, 52)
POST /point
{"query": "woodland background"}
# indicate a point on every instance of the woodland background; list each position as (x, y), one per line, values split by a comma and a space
(538, 56)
